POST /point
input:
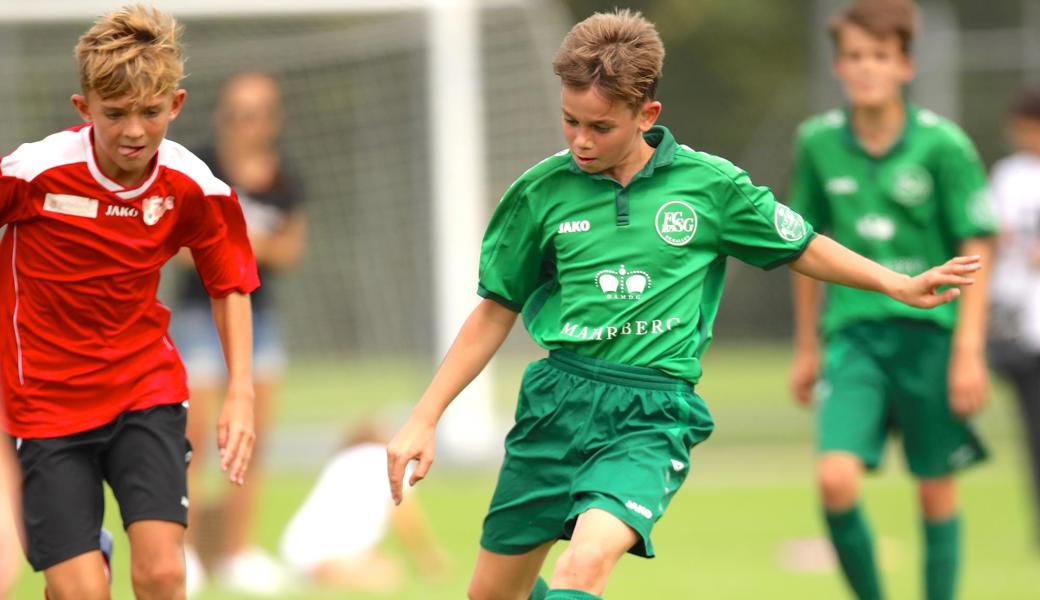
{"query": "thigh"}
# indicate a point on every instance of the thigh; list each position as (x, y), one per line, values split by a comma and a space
(853, 410)
(507, 576)
(62, 497)
(146, 463)
(155, 545)
(635, 476)
(936, 442)
(532, 496)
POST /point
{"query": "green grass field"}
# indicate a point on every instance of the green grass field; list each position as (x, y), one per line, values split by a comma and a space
(728, 532)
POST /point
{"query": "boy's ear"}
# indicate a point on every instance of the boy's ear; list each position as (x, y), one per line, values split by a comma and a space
(178, 102)
(648, 115)
(79, 101)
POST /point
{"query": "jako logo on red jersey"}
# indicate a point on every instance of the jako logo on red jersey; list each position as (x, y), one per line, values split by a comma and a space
(120, 211)
(155, 207)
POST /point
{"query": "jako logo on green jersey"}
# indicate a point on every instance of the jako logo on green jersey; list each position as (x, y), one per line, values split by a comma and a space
(789, 224)
(623, 284)
(911, 185)
(676, 222)
(574, 226)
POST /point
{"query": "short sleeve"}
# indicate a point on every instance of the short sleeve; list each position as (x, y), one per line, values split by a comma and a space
(805, 194)
(15, 204)
(967, 208)
(757, 229)
(218, 242)
(511, 254)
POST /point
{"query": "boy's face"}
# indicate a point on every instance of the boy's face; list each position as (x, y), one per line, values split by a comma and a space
(127, 132)
(1025, 134)
(872, 70)
(600, 133)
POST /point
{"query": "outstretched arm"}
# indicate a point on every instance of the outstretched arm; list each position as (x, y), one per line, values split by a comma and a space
(827, 260)
(233, 318)
(478, 340)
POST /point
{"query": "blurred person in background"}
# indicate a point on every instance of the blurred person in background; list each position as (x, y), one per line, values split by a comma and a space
(247, 123)
(1014, 348)
(906, 188)
(334, 538)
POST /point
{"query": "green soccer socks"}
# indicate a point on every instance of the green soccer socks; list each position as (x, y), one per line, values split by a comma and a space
(854, 545)
(941, 557)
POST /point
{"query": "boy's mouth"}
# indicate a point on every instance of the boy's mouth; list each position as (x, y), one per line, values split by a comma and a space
(131, 151)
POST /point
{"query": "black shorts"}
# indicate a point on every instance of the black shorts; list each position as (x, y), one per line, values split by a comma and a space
(143, 455)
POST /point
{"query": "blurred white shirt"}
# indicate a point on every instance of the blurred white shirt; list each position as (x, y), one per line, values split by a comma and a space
(347, 512)
(1015, 281)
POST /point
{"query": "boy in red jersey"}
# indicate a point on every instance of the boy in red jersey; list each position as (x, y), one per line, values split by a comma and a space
(93, 390)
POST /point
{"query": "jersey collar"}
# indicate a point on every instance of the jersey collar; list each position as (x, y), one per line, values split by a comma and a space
(664, 146)
(95, 171)
(911, 111)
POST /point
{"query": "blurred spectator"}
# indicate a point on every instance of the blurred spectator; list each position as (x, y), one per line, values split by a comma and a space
(247, 123)
(1014, 348)
(10, 517)
(334, 537)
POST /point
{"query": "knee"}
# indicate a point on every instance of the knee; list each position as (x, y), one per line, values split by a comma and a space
(162, 576)
(93, 589)
(583, 566)
(839, 478)
(938, 498)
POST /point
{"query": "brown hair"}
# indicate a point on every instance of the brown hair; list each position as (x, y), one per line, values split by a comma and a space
(618, 53)
(879, 18)
(1027, 106)
(134, 51)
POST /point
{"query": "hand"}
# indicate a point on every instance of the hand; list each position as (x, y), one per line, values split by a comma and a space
(235, 432)
(921, 291)
(414, 441)
(805, 369)
(968, 382)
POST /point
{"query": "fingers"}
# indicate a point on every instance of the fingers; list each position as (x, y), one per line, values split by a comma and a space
(395, 464)
(235, 459)
(424, 467)
(222, 439)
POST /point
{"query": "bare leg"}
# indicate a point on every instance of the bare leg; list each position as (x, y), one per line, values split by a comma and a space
(506, 576)
(370, 572)
(240, 502)
(600, 539)
(157, 560)
(79, 578)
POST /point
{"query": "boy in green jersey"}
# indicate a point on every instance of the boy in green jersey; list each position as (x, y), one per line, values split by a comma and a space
(904, 187)
(614, 251)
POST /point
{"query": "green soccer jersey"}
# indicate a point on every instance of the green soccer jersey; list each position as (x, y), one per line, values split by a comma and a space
(908, 210)
(632, 274)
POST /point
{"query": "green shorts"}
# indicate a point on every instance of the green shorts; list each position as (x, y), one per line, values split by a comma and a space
(882, 376)
(592, 434)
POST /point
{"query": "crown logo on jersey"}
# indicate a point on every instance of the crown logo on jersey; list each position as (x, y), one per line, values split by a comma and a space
(623, 284)
(154, 207)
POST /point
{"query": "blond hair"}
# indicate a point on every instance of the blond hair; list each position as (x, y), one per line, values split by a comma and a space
(881, 19)
(620, 54)
(134, 51)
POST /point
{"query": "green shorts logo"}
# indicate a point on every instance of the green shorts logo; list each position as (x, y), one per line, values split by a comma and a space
(789, 224)
(676, 222)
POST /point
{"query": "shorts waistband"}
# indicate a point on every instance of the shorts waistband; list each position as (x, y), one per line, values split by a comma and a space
(601, 370)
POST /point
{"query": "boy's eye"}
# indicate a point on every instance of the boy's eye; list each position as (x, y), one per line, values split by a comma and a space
(570, 121)
(113, 115)
(602, 128)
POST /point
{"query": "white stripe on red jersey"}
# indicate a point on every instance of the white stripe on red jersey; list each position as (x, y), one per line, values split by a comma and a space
(82, 335)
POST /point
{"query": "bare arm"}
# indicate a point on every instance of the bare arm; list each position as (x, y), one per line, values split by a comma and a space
(968, 377)
(826, 260)
(10, 516)
(805, 368)
(478, 340)
(281, 249)
(233, 318)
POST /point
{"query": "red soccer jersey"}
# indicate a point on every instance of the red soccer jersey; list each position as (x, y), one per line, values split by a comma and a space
(82, 334)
